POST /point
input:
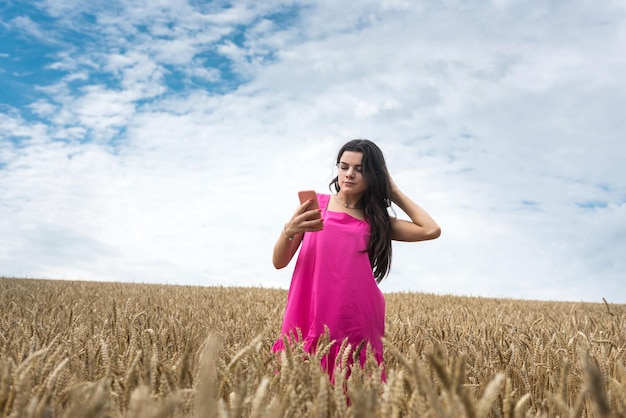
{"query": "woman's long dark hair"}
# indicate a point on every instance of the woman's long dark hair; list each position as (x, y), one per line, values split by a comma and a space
(375, 201)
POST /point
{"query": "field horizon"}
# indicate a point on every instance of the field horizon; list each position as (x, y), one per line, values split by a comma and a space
(605, 301)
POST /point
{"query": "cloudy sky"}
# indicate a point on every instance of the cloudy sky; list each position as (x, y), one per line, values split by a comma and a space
(164, 141)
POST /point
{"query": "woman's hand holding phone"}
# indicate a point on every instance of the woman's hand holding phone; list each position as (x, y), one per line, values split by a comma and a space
(308, 217)
(309, 197)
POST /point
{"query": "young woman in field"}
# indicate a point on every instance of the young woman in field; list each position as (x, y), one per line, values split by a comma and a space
(345, 252)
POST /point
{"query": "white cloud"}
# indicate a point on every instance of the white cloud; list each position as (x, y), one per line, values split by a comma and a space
(27, 26)
(503, 122)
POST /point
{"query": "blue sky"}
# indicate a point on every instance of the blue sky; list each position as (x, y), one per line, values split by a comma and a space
(165, 141)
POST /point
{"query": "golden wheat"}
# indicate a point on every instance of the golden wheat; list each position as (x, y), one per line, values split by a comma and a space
(85, 349)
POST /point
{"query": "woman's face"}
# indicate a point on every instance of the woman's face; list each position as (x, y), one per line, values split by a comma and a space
(350, 174)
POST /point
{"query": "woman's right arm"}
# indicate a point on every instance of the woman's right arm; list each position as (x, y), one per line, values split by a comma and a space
(287, 244)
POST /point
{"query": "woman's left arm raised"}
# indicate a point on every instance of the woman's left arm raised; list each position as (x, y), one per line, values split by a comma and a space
(421, 227)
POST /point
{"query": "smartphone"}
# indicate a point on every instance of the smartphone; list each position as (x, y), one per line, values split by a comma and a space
(305, 195)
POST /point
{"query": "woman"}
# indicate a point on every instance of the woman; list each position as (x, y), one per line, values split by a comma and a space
(346, 252)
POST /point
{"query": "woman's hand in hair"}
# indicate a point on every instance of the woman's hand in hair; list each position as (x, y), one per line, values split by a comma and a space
(421, 227)
(394, 189)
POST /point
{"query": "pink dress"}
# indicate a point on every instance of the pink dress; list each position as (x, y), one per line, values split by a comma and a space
(333, 285)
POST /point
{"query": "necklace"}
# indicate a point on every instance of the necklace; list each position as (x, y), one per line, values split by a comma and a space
(344, 204)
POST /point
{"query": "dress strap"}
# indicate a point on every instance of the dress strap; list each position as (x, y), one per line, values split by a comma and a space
(323, 200)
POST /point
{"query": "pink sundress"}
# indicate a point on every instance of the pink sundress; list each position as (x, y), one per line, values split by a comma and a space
(333, 285)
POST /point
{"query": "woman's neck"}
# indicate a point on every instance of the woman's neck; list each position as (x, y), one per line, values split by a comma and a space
(349, 202)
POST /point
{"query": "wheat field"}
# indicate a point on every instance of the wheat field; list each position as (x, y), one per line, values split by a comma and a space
(87, 349)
